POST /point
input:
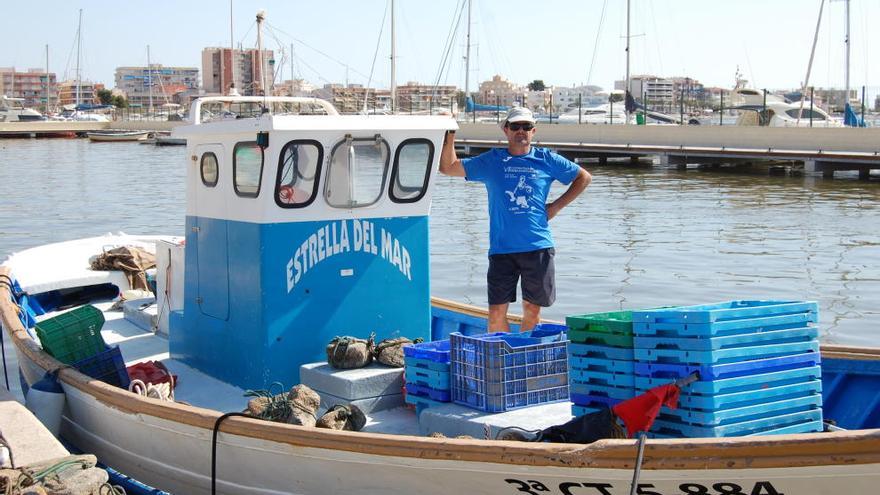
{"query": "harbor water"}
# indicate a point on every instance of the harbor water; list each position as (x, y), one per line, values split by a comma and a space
(638, 238)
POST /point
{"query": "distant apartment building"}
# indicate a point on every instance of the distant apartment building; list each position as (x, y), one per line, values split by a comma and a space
(221, 67)
(87, 94)
(156, 84)
(30, 85)
(499, 91)
(834, 100)
(565, 98)
(658, 91)
(294, 87)
(354, 98)
(413, 97)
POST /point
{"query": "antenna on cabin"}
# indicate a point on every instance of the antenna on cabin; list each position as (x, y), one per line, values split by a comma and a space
(261, 16)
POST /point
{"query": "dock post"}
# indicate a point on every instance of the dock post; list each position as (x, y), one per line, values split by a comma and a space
(864, 173)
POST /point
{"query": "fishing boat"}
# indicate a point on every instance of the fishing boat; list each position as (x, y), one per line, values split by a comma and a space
(117, 136)
(302, 225)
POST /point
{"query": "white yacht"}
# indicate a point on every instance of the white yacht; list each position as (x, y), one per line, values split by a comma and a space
(13, 110)
(600, 114)
(778, 112)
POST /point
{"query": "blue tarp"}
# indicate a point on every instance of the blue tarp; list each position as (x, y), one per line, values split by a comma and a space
(850, 119)
(470, 106)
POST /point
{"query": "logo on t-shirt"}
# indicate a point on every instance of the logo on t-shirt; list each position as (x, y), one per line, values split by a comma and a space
(519, 196)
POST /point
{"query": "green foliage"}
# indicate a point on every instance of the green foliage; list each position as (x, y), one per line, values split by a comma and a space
(119, 101)
(105, 96)
(537, 85)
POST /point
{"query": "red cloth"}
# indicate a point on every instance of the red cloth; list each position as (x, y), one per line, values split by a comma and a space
(151, 372)
(639, 412)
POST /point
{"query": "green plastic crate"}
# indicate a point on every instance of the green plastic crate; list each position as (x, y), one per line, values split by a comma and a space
(601, 338)
(617, 322)
(73, 336)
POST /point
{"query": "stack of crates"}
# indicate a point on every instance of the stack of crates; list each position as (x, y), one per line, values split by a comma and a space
(498, 372)
(426, 373)
(74, 338)
(758, 365)
(601, 360)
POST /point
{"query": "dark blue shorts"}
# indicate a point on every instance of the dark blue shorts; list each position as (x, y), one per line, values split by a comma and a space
(537, 272)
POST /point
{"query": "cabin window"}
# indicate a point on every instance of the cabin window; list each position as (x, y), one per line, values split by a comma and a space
(356, 173)
(412, 168)
(298, 169)
(805, 114)
(209, 169)
(247, 168)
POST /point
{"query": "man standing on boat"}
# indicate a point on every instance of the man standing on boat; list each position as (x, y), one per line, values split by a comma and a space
(518, 181)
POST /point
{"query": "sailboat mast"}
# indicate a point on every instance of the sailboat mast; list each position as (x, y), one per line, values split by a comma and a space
(846, 41)
(393, 63)
(47, 79)
(261, 16)
(467, 57)
(78, 50)
(810, 65)
(150, 78)
(626, 87)
(232, 90)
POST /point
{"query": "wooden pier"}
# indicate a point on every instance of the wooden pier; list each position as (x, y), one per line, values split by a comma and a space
(813, 150)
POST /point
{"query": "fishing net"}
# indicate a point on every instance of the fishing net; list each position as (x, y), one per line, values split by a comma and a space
(390, 351)
(350, 352)
(343, 417)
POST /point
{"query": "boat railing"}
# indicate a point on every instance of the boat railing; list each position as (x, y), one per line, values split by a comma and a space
(288, 104)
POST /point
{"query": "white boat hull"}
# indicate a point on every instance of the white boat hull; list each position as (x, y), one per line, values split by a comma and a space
(168, 445)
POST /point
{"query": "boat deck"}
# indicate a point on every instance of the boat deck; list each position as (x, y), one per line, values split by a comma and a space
(199, 389)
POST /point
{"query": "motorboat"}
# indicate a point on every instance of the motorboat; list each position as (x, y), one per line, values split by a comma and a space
(117, 136)
(12, 110)
(775, 111)
(600, 114)
(304, 227)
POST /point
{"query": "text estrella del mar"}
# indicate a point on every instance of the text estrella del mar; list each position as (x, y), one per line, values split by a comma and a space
(346, 237)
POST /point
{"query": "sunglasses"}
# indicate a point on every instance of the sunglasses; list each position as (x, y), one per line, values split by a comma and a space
(525, 126)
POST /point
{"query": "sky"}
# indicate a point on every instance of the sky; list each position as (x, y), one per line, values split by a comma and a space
(562, 42)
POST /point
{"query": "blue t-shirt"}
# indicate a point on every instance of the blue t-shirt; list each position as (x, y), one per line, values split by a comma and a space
(518, 187)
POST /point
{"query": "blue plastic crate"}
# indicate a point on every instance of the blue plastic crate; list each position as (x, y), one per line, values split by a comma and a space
(727, 370)
(107, 366)
(748, 398)
(498, 372)
(431, 393)
(437, 351)
(427, 377)
(426, 364)
(763, 337)
(785, 423)
(760, 410)
(600, 351)
(593, 401)
(737, 385)
(723, 318)
(723, 356)
(603, 365)
(593, 390)
(602, 378)
(422, 403)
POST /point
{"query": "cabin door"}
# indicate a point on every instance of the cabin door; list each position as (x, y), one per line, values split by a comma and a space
(211, 226)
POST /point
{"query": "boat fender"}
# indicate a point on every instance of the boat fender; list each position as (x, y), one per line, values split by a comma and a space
(45, 399)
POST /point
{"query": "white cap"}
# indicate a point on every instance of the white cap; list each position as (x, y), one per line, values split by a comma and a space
(518, 114)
